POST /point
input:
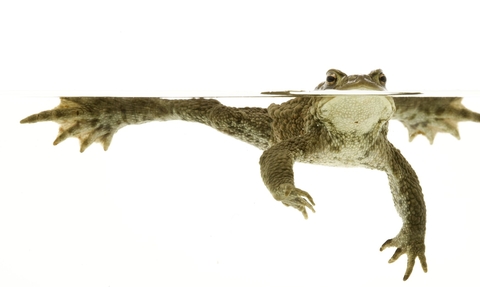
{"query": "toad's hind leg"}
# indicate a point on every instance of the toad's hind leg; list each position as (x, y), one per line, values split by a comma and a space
(251, 125)
(98, 119)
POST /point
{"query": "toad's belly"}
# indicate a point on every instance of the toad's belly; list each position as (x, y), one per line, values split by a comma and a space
(340, 159)
(354, 154)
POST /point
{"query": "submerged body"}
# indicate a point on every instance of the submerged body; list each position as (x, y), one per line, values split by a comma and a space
(336, 131)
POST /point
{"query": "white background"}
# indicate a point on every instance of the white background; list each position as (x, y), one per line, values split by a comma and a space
(179, 204)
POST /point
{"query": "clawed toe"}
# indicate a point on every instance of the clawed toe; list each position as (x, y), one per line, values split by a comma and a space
(412, 249)
(298, 199)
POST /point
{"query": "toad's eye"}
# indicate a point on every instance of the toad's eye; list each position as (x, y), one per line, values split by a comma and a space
(331, 79)
(382, 78)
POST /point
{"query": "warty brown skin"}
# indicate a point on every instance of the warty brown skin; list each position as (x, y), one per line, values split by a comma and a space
(300, 130)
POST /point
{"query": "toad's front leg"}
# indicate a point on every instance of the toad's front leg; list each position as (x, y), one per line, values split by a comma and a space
(276, 166)
(408, 200)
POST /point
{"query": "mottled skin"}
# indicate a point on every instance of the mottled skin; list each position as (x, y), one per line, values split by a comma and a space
(337, 131)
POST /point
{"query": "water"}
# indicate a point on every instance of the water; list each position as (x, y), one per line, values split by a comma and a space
(187, 203)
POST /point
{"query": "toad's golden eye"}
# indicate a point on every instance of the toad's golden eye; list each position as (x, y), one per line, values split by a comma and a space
(382, 78)
(331, 79)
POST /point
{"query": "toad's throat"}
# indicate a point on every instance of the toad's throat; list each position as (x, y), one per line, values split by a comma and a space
(356, 115)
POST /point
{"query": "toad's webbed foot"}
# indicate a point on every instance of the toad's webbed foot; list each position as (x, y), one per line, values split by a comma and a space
(429, 116)
(93, 119)
(412, 246)
(80, 118)
(296, 198)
